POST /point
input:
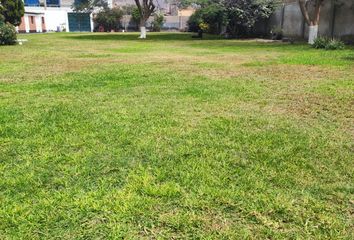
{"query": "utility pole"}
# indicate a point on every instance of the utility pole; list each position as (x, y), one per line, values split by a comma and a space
(334, 9)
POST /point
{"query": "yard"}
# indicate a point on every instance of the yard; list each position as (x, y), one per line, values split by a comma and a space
(104, 136)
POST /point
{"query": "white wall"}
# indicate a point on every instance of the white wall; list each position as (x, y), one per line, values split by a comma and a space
(54, 17)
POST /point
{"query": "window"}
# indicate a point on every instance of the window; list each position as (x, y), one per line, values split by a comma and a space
(32, 20)
(32, 3)
(53, 3)
(43, 20)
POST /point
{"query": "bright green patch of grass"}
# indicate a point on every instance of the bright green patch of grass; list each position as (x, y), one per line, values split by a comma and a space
(104, 136)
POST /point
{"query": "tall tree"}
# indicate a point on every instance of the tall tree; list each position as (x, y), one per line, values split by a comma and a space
(312, 18)
(146, 8)
(11, 11)
(89, 6)
(237, 17)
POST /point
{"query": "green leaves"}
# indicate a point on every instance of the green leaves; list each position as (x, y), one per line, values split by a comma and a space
(7, 34)
(239, 16)
(109, 18)
(11, 11)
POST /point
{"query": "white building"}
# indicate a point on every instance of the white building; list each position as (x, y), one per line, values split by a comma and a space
(54, 15)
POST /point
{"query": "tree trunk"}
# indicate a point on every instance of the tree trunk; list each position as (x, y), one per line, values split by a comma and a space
(313, 33)
(142, 29)
(312, 22)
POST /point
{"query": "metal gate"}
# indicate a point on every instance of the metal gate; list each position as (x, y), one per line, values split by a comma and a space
(79, 22)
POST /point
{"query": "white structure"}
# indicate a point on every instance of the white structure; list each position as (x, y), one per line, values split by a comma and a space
(53, 15)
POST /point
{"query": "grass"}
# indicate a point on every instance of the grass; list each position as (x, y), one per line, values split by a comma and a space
(104, 136)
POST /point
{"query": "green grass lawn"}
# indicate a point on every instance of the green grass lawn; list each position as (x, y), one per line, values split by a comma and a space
(104, 136)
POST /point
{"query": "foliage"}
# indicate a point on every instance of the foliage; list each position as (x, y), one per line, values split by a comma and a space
(194, 20)
(128, 9)
(135, 19)
(320, 42)
(204, 26)
(89, 5)
(7, 34)
(2, 19)
(109, 18)
(239, 16)
(277, 33)
(243, 14)
(328, 44)
(213, 14)
(335, 44)
(11, 11)
(157, 23)
(145, 9)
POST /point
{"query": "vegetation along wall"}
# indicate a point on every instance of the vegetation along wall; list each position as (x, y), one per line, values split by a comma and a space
(337, 18)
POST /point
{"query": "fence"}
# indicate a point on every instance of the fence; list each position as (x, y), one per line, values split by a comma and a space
(337, 20)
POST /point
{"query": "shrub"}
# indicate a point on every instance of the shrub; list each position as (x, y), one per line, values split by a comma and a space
(328, 44)
(7, 34)
(214, 15)
(335, 44)
(135, 17)
(320, 42)
(194, 21)
(109, 19)
(237, 17)
(157, 24)
(204, 26)
(277, 33)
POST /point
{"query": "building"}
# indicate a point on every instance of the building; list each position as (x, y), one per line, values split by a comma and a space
(175, 19)
(54, 15)
(58, 16)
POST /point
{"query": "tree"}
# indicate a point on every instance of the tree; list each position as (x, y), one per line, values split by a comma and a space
(11, 11)
(237, 16)
(157, 24)
(109, 19)
(312, 20)
(135, 17)
(88, 6)
(243, 14)
(145, 8)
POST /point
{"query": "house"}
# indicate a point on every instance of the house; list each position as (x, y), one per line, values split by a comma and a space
(54, 15)
(58, 16)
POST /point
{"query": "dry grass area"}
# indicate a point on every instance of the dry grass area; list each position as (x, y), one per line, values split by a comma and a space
(104, 136)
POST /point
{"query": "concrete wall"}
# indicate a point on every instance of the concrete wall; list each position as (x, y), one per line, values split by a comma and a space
(54, 17)
(337, 20)
(32, 23)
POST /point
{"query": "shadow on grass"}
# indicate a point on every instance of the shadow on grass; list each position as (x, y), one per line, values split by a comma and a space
(151, 37)
(225, 44)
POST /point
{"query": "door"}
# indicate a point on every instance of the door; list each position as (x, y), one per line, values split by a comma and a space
(79, 22)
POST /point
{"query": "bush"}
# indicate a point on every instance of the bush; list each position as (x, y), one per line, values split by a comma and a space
(328, 44)
(277, 33)
(7, 34)
(194, 21)
(109, 19)
(320, 42)
(214, 15)
(157, 24)
(237, 17)
(335, 44)
(135, 17)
